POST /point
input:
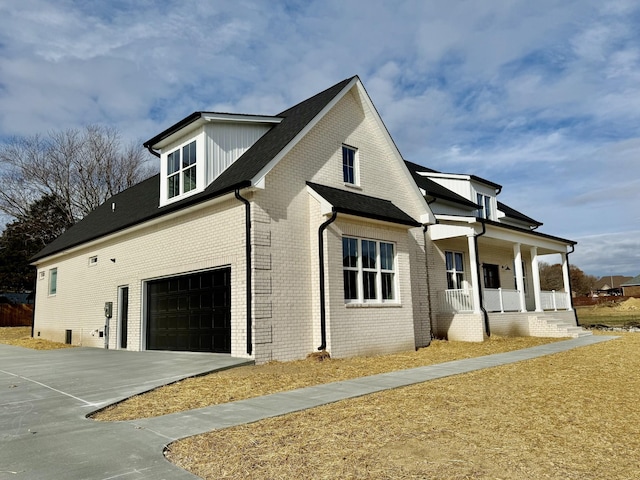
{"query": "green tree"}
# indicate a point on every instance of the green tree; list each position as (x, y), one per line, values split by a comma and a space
(41, 223)
(551, 279)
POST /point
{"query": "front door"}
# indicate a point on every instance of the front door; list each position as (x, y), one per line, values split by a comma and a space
(124, 315)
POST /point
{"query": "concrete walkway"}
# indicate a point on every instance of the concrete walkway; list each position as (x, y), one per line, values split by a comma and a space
(43, 438)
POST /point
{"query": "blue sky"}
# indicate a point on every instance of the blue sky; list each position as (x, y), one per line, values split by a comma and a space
(541, 97)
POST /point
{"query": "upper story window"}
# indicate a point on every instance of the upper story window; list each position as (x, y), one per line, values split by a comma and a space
(485, 203)
(181, 170)
(369, 271)
(350, 167)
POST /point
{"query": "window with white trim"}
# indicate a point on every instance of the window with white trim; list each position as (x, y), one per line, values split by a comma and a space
(369, 271)
(350, 167)
(53, 281)
(485, 206)
(455, 270)
(181, 170)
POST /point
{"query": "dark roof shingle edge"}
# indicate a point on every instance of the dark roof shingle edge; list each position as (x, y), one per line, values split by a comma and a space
(360, 205)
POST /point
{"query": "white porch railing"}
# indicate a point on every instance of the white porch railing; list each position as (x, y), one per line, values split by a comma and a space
(501, 300)
(460, 300)
(555, 300)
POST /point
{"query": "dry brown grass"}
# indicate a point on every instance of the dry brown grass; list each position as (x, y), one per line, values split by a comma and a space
(246, 382)
(571, 415)
(21, 337)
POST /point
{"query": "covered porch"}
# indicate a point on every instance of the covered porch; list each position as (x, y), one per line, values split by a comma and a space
(491, 280)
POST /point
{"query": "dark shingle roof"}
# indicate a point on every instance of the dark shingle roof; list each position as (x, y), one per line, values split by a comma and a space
(434, 189)
(513, 213)
(141, 202)
(363, 205)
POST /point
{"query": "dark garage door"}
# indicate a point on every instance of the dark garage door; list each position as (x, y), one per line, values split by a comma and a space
(190, 312)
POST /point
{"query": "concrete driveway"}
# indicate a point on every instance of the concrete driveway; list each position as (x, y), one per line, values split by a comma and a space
(45, 396)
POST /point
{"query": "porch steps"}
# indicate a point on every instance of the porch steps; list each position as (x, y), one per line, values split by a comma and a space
(549, 326)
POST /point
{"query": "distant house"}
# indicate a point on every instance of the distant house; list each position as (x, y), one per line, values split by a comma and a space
(610, 285)
(270, 237)
(631, 287)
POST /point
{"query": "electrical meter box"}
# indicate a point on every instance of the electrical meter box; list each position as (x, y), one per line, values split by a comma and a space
(108, 309)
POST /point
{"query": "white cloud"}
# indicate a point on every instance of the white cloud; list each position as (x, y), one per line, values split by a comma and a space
(541, 97)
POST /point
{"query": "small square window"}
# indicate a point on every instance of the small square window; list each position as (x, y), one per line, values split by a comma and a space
(350, 165)
(93, 261)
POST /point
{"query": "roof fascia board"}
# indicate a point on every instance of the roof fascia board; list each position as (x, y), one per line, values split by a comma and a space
(534, 239)
(325, 207)
(197, 119)
(461, 176)
(377, 221)
(258, 179)
(240, 118)
(517, 232)
(134, 228)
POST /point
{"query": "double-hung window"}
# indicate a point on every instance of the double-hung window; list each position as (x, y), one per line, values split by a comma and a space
(485, 206)
(350, 165)
(455, 270)
(181, 170)
(369, 271)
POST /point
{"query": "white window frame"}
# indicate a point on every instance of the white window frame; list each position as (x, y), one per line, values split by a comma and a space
(198, 142)
(355, 167)
(53, 282)
(485, 202)
(456, 276)
(377, 270)
(182, 169)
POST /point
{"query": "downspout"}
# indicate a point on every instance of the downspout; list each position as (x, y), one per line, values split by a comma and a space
(426, 265)
(323, 310)
(575, 312)
(247, 223)
(484, 311)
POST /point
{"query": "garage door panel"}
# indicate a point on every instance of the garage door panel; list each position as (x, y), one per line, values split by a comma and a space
(190, 313)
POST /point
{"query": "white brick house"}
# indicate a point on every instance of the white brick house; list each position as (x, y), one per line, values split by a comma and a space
(271, 237)
(171, 253)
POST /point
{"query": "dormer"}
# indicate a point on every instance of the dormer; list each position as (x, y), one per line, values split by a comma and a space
(478, 192)
(196, 150)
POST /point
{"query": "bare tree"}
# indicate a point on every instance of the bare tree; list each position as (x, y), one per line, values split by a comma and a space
(80, 168)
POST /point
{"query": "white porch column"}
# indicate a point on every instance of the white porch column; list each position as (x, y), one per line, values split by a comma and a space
(565, 277)
(517, 255)
(473, 260)
(535, 272)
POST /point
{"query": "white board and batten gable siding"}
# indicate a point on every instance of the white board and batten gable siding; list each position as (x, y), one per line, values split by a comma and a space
(226, 142)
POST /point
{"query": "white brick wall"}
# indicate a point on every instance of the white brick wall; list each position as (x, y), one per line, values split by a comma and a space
(294, 226)
(189, 242)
